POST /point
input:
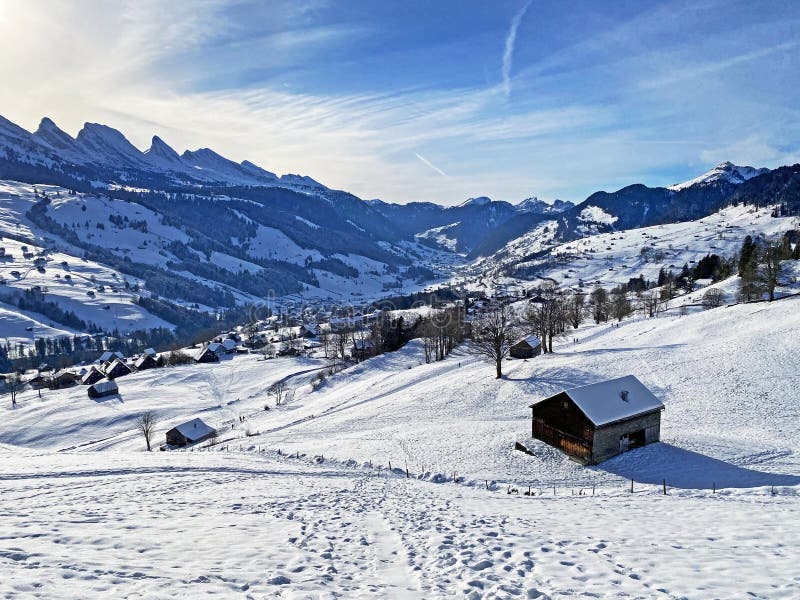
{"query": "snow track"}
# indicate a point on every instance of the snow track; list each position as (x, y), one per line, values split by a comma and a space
(248, 525)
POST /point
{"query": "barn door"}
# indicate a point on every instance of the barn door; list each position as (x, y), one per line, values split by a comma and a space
(651, 434)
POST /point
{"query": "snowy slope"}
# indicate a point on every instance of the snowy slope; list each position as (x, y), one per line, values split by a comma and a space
(613, 258)
(453, 416)
(82, 523)
(255, 525)
(218, 393)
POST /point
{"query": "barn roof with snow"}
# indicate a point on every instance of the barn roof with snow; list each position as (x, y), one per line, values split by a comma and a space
(531, 340)
(614, 400)
(108, 356)
(194, 430)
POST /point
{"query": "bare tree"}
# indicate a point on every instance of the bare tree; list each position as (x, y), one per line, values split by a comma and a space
(713, 297)
(14, 385)
(599, 299)
(325, 340)
(277, 389)
(251, 331)
(620, 305)
(493, 333)
(575, 309)
(651, 303)
(146, 424)
(548, 318)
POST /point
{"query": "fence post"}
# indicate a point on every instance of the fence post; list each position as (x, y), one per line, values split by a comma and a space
(631, 486)
(713, 487)
(664, 481)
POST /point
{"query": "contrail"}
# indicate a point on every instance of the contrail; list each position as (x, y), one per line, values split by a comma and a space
(511, 39)
(430, 164)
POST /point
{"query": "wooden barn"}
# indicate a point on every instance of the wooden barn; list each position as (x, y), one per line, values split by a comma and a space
(93, 375)
(190, 432)
(145, 361)
(117, 368)
(103, 388)
(527, 347)
(208, 354)
(63, 379)
(595, 422)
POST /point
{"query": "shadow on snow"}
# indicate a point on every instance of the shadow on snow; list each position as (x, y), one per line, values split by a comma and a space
(689, 470)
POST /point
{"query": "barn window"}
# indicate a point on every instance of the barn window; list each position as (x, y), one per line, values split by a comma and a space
(565, 405)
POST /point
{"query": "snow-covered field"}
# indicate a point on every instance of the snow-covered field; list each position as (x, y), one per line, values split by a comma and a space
(218, 393)
(253, 526)
(251, 518)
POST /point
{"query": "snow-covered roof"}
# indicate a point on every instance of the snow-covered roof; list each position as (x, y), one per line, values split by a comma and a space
(140, 361)
(229, 344)
(194, 429)
(108, 355)
(150, 351)
(105, 385)
(614, 400)
(531, 340)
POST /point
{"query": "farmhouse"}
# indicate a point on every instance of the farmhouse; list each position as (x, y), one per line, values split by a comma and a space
(189, 433)
(107, 356)
(117, 368)
(145, 361)
(93, 375)
(595, 422)
(527, 347)
(361, 349)
(102, 389)
(63, 378)
(207, 354)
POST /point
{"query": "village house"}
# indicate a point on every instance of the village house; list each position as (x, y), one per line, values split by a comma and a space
(596, 422)
(103, 388)
(108, 356)
(527, 347)
(208, 354)
(145, 361)
(362, 349)
(190, 432)
(117, 368)
(229, 345)
(93, 375)
(63, 378)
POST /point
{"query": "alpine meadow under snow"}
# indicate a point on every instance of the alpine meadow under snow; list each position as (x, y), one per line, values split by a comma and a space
(217, 380)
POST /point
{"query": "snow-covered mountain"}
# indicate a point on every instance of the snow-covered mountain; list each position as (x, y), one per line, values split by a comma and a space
(534, 205)
(727, 172)
(639, 206)
(108, 150)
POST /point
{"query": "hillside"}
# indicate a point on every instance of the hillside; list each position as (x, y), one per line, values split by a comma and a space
(452, 415)
(342, 527)
(612, 258)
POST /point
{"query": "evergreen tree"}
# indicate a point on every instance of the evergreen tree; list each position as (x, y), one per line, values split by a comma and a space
(748, 270)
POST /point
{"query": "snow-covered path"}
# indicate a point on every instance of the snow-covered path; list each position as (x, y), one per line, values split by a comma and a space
(249, 525)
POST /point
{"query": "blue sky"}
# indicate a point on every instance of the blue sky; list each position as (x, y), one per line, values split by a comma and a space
(426, 100)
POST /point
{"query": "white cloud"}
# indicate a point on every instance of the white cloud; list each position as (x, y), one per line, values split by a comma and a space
(430, 164)
(508, 52)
